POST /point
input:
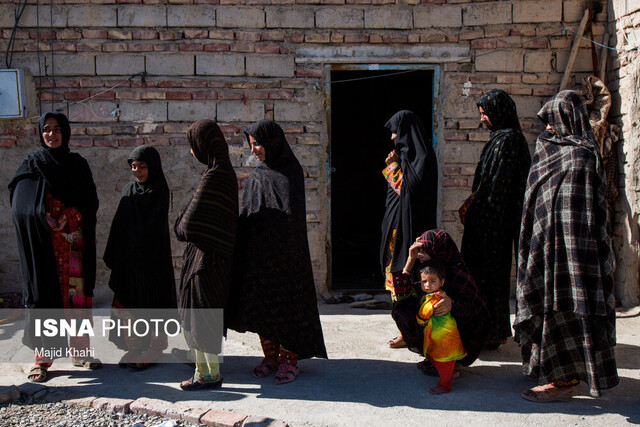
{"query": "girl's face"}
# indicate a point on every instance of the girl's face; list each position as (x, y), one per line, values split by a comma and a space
(140, 171)
(430, 282)
(394, 136)
(51, 133)
(484, 118)
(257, 149)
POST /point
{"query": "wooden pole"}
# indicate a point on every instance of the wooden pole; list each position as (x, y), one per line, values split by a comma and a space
(603, 56)
(574, 50)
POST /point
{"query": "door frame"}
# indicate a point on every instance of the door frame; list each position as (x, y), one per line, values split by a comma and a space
(327, 68)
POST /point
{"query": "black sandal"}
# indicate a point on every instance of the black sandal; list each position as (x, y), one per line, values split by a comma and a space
(193, 384)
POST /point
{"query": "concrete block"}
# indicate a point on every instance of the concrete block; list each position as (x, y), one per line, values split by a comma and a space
(538, 61)
(147, 406)
(501, 61)
(112, 404)
(7, 15)
(398, 17)
(309, 155)
(526, 12)
(342, 17)
(462, 152)
(217, 418)
(192, 16)
(188, 410)
(582, 63)
(240, 17)
(296, 112)
(9, 394)
(181, 64)
(220, 64)
(29, 18)
(142, 16)
(288, 17)
(492, 13)
(85, 16)
(237, 111)
(93, 111)
(572, 10)
(119, 65)
(528, 106)
(143, 111)
(437, 15)
(270, 66)
(71, 64)
(191, 110)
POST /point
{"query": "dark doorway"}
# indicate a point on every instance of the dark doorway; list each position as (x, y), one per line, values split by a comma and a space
(362, 101)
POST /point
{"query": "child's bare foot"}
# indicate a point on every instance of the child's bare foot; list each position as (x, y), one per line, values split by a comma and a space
(437, 390)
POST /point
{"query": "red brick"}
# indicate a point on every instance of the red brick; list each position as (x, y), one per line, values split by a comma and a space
(395, 38)
(196, 34)
(483, 44)
(194, 83)
(170, 35)
(66, 83)
(309, 73)
(523, 31)
(120, 34)
(127, 95)
(281, 94)
(520, 90)
(85, 46)
(179, 141)
(242, 47)
(105, 143)
(456, 135)
(191, 47)
(81, 142)
(337, 37)
(272, 36)
(375, 38)
(267, 48)
(7, 141)
(124, 129)
(44, 35)
(356, 38)
(205, 94)
(221, 34)
(153, 94)
(317, 38)
(144, 34)
(114, 47)
(99, 130)
(95, 34)
(178, 95)
(19, 34)
(450, 170)
(128, 1)
(229, 95)
(448, 217)
(471, 34)
(297, 37)
(217, 47)
(140, 47)
(249, 36)
(68, 35)
(537, 44)
(165, 47)
(158, 140)
(48, 96)
(545, 91)
(176, 128)
(79, 94)
(414, 38)
(482, 78)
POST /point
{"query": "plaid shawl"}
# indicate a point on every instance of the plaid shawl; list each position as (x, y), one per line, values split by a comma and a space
(565, 257)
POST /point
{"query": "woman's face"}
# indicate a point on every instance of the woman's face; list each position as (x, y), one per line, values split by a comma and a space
(140, 171)
(551, 129)
(257, 149)
(51, 133)
(394, 136)
(484, 118)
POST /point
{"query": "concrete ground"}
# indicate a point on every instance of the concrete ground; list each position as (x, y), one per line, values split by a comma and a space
(363, 383)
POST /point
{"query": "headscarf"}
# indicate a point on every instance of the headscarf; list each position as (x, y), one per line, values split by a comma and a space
(68, 178)
(276, 181)
(209, 219)
(414, 209)
(469, 309)
(500, 109)
(139, 249)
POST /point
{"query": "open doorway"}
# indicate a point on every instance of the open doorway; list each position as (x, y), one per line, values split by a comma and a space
(362, 100)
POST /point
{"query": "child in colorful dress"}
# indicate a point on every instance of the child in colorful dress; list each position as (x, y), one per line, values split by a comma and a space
(442, 344)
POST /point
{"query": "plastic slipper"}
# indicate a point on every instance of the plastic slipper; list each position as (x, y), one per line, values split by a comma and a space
(286, 373)
(548, 393)
(265, 368)
(37, 374)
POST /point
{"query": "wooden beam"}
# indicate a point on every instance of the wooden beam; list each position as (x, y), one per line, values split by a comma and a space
(603, 56)
(574, 50)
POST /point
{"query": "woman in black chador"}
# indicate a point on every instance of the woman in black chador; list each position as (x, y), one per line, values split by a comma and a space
(493, 211)
(139, 253)
(274, 293)
(412, 198)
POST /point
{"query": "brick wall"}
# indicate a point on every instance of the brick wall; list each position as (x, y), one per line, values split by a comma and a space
(624, 82)
(240, 61)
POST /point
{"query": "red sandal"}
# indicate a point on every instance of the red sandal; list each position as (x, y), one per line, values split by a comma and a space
(286, 373)
(265, 368)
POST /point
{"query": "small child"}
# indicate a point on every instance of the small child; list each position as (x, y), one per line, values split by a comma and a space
(442, 343)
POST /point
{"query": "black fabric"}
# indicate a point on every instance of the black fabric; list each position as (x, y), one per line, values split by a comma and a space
(492, 221)
(208, 224)
(138, 251)
(68, 177)
(273, 293)
(414, 210)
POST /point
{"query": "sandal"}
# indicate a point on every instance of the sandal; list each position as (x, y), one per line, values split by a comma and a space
(87, 363)
(397, 342)
(548, 393)
(286, 373)
(265, 368)
(37, 374)
(193, 384)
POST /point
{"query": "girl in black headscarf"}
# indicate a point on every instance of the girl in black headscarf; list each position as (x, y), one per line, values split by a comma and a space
(139, 253)
(208, 224)
(412, 197)
(53, 204)
(493, 212)
(274, 293)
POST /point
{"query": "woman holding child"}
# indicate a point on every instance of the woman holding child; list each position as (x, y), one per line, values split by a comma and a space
(462, 299)
(274, 292)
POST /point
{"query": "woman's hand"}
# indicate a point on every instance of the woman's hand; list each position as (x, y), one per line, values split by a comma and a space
(392, 158)
(443, 306)
(414, 250)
